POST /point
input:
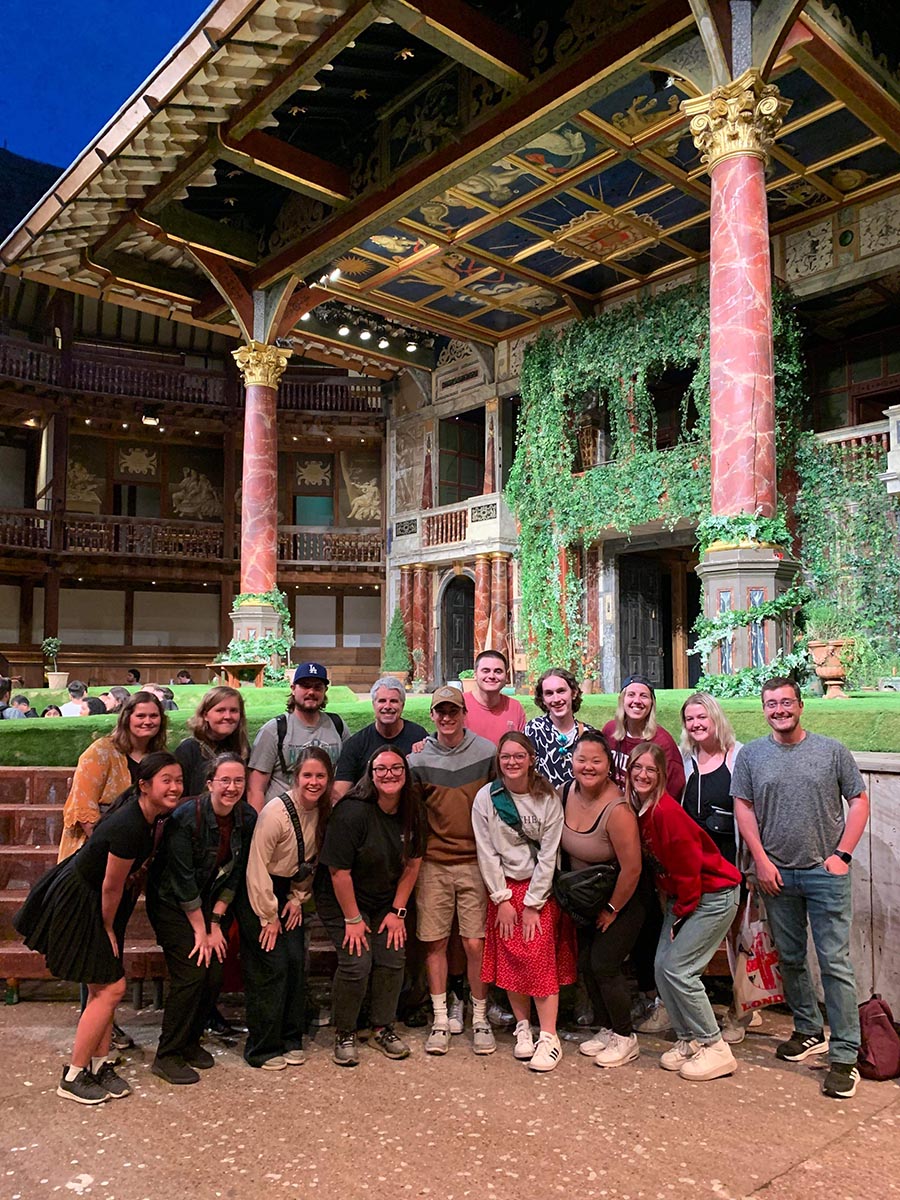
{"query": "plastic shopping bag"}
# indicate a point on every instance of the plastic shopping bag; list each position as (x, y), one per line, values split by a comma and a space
(754, 965)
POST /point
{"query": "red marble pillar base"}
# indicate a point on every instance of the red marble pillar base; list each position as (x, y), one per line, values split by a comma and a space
(742, 406)
(499, 601)
(482, 601)
(259, 491)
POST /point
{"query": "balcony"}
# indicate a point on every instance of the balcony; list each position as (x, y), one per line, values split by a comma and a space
(142, 537)
(27, 529)
(480, 524)
(302, 545)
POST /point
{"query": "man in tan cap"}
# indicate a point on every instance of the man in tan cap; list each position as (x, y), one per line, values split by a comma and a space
(447, 772)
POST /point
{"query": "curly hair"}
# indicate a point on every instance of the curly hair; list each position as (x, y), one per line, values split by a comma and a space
(566, 677)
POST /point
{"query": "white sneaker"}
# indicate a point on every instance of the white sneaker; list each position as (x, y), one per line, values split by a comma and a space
(710, 1062)
(656, 1021)
(619, 1050)
(674, 1059)
(547, 1053)
(456, 1013)
(524, 1040)
(277, 1063)
(598, 1042)
(734, 1028)
(438, 1041)
(294, 1058)
(755, 1019)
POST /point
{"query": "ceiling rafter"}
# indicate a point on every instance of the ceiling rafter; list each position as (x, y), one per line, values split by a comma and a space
(270, 158)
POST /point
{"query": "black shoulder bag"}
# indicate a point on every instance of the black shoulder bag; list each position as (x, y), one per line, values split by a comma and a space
(583, 893)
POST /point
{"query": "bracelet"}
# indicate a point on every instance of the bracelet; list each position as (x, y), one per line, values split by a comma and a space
(215, 919)
(357, 920)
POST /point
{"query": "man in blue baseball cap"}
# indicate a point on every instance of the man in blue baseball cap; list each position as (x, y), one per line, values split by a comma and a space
(279, 741)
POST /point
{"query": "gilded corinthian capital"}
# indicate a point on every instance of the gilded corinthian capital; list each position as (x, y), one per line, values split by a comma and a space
(261, 364)
(743, 117)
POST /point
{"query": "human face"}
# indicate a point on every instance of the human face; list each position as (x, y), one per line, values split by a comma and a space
(644, 776)
(590, 766)
(387, 705)
(109, 701)
(226, 787)
(515, 764)
(144, 722)
(557, 695)
(312, 780)
(699, 727)
(637, 701)
(490, 675)
(783, 711)
(309, 695)
(449, 723)
(388, 775)
(223, 719)
(164, 790)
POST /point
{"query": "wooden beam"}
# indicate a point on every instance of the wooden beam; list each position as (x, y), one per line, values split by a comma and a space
(464, 34)
(714, 26)
(304, 300)
(186, 228)
(270, 158)
(138, 272)
(230, 286)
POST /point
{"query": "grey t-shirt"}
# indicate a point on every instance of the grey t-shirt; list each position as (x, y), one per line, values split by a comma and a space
(298, 735)
(796, 792)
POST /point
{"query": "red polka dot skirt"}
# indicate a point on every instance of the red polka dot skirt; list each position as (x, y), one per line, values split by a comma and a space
(539, 968)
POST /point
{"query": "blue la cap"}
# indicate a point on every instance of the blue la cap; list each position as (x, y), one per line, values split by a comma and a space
(311, 670)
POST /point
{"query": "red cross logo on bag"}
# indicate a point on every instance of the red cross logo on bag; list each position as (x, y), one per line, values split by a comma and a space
(762, 960)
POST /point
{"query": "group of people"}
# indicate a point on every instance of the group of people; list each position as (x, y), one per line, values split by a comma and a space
(80, 704)
(507, 853)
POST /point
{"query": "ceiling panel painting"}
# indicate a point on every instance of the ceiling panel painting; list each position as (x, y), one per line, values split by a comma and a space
(670, 209)
(448, 213)
(839, 131)
(499, 320)
(458, 305)
(640, 104)
(506, 240)
(860, 170)
(393, 245)
(411, 290)
(557, 212)
(806, 95)
(549, 262)
(694, 237)
(653, 258)
(501, 184)
(561, 150)
(621, 183)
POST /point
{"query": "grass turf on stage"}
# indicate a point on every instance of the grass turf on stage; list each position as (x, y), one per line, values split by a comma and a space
(867, 721)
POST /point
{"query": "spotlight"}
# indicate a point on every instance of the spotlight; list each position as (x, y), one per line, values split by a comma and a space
(305, 317)
(87, 420)
(383, 343)
(365, 335)
(411, 346)
(335, 274)
(150, 416)
(323, 280)
(343, 331)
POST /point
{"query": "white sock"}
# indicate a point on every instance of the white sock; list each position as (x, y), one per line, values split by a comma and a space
(97, 1063)
(479, 1011)
(439, 1004)
(72, 1073)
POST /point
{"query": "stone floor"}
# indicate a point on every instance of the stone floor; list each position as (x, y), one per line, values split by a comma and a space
(451, 1127)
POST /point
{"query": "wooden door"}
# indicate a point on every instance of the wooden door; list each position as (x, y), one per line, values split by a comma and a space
(641, 648)
(458, 620)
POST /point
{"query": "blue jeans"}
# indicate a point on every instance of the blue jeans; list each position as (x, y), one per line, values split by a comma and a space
(822, 899)
(680, 963)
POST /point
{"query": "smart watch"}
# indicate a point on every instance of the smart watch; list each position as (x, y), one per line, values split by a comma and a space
(399, 912)
(844, 856)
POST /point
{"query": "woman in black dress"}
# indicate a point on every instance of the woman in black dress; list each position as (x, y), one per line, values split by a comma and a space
(77, 913)
(218, 726)
(197, 875)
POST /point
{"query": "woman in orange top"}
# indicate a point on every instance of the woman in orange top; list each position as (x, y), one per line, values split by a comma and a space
(109, 766)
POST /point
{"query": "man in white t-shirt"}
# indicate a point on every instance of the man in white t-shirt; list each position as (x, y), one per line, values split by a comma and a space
(77, 692)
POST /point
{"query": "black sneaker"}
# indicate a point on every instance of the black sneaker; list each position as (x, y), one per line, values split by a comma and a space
(120, 1039)
(83, 1089)
(173, 1069)
(800, 1046)
(387, 1041)
(112, 1083)
(345, 1053)
(840, 1082)
(196, 1056)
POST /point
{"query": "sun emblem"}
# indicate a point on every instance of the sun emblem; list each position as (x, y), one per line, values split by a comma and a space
(313, 473)
(353, 266)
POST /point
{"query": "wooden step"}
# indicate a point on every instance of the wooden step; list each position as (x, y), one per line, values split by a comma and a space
(12, 899)
(30, 824)
(22, 866)
(35, 785)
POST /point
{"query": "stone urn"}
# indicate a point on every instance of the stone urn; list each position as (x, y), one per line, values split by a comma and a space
(57, 680)
(831, 659)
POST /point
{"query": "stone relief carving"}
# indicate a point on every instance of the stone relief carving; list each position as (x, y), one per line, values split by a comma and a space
(365, 494)
(137, 461)
(408, 458)
(195, 498)
(82, 486)
(313, 473)
(483, 512)
(808, 251)
(879, 225)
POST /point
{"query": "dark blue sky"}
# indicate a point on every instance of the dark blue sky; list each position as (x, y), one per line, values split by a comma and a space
(68, 67)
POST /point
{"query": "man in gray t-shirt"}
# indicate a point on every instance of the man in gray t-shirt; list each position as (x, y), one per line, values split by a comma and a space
(789, 791)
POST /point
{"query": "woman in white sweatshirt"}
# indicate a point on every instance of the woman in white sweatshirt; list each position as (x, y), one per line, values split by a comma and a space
(529, 944)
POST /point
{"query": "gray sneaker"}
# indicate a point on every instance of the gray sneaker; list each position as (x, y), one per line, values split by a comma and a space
(387, 1041)
(438, 1041)
(114, 1085)
(657, 1019)
(83, 1089)
(456, 1013)
(346, 1051)
(483, 1041)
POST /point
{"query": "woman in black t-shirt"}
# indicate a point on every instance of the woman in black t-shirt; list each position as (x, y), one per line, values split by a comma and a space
(218, 726)
(370, 861)
(77, 913)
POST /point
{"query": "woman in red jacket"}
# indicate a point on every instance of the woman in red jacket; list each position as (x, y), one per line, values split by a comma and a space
(701, 890)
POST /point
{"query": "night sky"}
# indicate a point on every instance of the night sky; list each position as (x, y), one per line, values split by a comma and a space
(69, 67)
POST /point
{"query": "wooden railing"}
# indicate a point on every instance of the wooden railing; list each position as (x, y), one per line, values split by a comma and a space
(441, 528)
(302, 544)
(142, 537)
(357, 395)
(29, 528)
(159, 381)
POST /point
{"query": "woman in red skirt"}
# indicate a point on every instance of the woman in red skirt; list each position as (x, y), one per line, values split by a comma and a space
(529, 944)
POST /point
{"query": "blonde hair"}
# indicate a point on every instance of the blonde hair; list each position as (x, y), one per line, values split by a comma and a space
(721, 725)
(659, 761)
(650, 724)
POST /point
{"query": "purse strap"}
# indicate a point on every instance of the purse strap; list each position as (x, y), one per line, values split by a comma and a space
(505, 808)
(305, 867)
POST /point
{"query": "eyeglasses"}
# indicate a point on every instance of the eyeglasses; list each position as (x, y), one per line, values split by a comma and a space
(512, 758)
(229, 783)
(395, 771)
(644, 771)
(771, 705)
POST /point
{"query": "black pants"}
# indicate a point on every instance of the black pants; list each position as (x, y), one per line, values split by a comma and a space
(274, 983)
(191, 988)
(600, 960)
(351, 979)
(644, 952)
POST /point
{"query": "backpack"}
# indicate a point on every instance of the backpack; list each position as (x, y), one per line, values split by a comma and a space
(879, 1043)
(281, 731)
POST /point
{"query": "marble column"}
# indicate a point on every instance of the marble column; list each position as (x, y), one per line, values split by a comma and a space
(733, 128)
(261, 367)
(406, 601)
(482, 601)
(499, 601)
(421, 620)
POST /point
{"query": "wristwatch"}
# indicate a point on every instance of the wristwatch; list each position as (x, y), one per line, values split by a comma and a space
(844, 856)
(609, 908)
(399, 912)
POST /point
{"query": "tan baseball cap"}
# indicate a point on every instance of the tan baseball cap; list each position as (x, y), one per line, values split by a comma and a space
(447, 695)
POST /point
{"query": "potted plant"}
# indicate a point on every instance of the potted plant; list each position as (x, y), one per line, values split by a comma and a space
(395, 658)
(50, 648)
(467, 679)
(830, 636)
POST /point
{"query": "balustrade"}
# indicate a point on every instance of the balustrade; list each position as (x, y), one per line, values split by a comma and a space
(441, 528)
(301, 544)
(27, 528)
(142, 538)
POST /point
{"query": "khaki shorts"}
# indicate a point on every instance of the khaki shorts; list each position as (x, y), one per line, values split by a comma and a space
(447, 888)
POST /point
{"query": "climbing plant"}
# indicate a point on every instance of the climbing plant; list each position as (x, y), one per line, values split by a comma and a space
(274, 650)
(610, 362)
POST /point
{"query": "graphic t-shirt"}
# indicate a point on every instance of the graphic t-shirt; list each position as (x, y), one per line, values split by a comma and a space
(298, 735)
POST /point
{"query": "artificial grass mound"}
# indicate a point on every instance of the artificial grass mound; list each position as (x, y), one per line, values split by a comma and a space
(868, 721)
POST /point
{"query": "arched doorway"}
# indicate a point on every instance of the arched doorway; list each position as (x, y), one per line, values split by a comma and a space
(458, 626)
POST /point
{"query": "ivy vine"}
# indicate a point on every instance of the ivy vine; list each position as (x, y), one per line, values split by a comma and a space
(273, 649)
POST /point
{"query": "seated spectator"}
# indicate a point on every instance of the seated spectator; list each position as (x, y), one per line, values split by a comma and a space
(92, 706)
(115, 698)
(132, 676)
(77, 692)
(164, 695)
(52, 710)
(23, 704)
(7, 711)
(183, 677)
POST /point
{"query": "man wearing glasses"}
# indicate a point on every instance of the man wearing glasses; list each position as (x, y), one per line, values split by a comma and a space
(388, 729)
(447, 772)
(788, 789)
